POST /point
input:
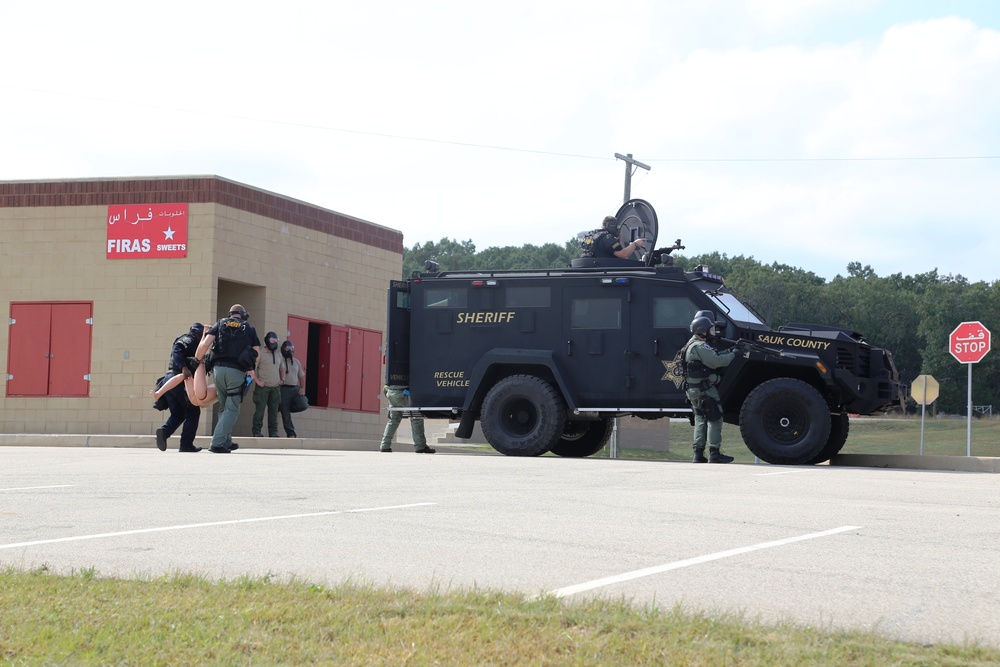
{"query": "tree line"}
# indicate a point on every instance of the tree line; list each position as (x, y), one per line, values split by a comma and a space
(912, 316)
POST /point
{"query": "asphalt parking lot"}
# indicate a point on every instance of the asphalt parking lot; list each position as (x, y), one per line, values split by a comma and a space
(911, 554)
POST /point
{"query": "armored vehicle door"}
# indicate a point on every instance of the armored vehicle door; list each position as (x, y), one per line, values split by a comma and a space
(661, 328)
(596, 347)
(397, 343)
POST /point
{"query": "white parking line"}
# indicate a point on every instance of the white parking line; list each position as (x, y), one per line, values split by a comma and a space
(32, 488)
(645, 572)
(206, 525)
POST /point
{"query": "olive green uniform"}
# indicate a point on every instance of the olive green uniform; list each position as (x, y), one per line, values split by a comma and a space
(399, 397)
(702, 390)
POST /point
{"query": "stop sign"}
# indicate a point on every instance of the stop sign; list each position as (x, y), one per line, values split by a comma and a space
(924, 389)
(969, 342)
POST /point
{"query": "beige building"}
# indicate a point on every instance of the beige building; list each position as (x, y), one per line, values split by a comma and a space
(99, 276)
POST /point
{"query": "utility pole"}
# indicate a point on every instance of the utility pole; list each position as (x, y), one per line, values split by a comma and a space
(630, 167)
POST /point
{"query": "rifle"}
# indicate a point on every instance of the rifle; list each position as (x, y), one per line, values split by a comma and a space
(752, 346)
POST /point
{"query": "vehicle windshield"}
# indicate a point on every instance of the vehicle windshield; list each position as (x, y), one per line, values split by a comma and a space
(735, 309)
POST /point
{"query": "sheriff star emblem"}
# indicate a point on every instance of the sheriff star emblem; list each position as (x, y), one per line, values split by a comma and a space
(674, 373)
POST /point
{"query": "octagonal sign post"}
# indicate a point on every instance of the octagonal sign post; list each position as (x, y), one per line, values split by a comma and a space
(969, 343)
(924, 390)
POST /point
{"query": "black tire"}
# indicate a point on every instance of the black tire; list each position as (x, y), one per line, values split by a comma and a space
(583, 438)
(785, 422)
(523, 415)
(839, 427)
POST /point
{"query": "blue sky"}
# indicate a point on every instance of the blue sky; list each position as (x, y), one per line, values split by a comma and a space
(807, 133)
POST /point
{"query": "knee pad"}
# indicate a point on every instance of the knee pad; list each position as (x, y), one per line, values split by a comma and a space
(711, 408)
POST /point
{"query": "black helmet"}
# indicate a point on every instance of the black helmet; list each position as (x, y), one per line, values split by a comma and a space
(705, 313)
(287, 349)
(197, 329)
(611, 225)
(701, 326)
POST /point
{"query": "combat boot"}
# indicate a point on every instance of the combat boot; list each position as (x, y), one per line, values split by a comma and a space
(699, 456)
(715, 455)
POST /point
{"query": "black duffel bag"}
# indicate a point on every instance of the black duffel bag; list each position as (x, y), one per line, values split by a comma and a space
(296, 402)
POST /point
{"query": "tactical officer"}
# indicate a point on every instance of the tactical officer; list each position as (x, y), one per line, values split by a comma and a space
(293, 382)
(701, 362)
(267, 394)
(181, 410)
(608, 244)
(399, 397)
(235, 348)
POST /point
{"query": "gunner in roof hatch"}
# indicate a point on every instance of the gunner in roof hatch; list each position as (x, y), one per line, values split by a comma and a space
(609, 245)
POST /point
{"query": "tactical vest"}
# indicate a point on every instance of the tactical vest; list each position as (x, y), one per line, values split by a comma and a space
(695, 370)
(589, 243)
(186, 340)
(231, 340)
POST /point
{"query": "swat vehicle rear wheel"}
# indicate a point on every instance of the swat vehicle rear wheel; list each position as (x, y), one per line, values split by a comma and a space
(523, 415)
(583, 438)
(785, 421)
(839, 426)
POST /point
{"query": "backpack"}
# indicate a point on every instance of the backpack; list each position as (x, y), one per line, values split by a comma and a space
(589, 241)
(231, 343)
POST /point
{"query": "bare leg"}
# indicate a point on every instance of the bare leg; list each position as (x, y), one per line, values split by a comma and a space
(204, 346)
(167, 386)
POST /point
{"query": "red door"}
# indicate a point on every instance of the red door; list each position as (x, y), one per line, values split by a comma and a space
(371, 374)
(49, 349)
(338, 366)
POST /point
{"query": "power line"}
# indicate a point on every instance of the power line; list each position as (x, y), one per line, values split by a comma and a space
(831, 159)
(465, 144)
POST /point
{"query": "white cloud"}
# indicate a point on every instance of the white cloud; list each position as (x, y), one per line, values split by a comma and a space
(177, 93)
(924, 91)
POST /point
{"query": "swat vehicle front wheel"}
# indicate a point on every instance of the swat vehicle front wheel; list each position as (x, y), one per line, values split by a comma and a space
(839, 427)
(523, 415)
(583, 438)
(785, 421)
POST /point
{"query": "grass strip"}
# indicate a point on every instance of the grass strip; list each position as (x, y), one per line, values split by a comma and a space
(85, 619)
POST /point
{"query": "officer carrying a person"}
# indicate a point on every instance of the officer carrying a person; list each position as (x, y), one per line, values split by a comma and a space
(235, 348)
(181, 409)
(701, 362)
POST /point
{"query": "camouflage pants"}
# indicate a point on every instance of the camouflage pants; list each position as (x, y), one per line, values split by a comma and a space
(399, 397)
(705, 432)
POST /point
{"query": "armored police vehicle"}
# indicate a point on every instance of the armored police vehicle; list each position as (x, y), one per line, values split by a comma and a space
(545, 359)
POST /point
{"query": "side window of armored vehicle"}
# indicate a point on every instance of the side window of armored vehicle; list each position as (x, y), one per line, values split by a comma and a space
(402, 300)
(448, 297)
(673, 312)
(596, 314)
(529, 297)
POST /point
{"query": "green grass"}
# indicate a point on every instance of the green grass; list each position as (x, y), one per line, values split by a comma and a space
(942, 436)
(868, 435)
(84, 619)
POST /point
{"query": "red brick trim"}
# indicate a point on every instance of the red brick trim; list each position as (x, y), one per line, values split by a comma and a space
(197, 190)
